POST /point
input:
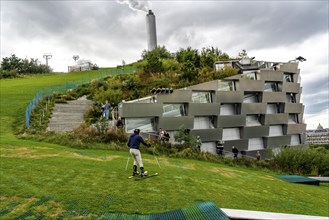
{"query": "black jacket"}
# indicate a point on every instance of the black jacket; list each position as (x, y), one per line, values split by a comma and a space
(135, 140)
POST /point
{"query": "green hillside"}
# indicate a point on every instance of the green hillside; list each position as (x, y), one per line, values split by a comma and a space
(41, 180)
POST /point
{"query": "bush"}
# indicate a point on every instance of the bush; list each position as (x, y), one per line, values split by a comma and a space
(302, 161)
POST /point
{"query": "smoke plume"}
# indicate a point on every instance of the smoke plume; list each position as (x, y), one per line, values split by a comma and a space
(136, 5)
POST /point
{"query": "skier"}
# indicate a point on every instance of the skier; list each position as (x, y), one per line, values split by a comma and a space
(133, 144)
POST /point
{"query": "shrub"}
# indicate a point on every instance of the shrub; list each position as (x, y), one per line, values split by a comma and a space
(302, 161)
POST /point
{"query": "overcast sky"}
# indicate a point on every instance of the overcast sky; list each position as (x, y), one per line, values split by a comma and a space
(107, 32)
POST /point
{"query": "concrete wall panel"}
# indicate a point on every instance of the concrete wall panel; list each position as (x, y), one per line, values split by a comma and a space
(254, 132)
(275, 119)
(173, 123)
(271, 97)
(200, 109)
(178, 96)
(229, 121)
(253, 108)
(134, 110)
(271, 75)
(229, 96)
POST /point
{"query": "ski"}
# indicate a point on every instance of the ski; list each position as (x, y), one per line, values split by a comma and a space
(129, 177)
(145, 177)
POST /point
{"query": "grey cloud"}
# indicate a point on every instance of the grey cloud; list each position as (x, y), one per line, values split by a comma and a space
(316, 107)
(267, 23)
(316, 95)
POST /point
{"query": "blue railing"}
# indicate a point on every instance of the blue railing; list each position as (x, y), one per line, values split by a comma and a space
(40, 95)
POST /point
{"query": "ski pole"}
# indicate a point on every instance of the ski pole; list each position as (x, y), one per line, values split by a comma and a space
(156, 158)
(128, 160)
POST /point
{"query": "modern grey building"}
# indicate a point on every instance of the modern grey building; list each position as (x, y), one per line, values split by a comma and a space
(257, 109)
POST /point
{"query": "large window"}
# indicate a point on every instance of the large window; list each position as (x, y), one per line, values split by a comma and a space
(255, 144)
(231, 134)
(144, 124)
(293, 119)
(253, 120)
(288, 77)
(251, 75)
(276, 130)
(229, 109)
(227, 86)
(251, 98)
(174, 110)
(202, 97)
(295, 139)
(274, 108)
(271, 87)
(291, 97)
(204, 122)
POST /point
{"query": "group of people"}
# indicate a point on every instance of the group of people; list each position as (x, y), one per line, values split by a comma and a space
(105, 113)
(135, 140)
(235, 151)
(163, 135)
(220, 149)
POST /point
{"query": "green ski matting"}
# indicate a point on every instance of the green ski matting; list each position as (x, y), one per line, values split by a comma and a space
(299, 179)
(200, 211)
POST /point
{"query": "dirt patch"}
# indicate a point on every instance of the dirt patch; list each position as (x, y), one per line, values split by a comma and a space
(268, 177)
(34, 153)
(226, 172)
(190, 166)
(89, 157)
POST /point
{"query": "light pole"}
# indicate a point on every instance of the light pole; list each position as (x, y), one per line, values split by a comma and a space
(75, 57)
(47, 56)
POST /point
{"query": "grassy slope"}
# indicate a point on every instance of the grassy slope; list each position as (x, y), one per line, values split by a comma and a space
(53, 180)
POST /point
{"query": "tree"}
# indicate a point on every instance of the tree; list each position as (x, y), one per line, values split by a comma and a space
(161, 52)
(13, 64)
(190, 72)
(189, 54)
(184, 137)
(153, 63)
(243, 54)
(211, 54)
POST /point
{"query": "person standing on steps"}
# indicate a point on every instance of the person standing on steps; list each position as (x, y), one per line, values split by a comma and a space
(133, 143)
(107, 108)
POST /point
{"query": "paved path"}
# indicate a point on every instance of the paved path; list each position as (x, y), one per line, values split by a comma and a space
(256, 215)
(67, 116)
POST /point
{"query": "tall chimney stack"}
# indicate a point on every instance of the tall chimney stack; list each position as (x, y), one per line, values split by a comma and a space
(151, 31)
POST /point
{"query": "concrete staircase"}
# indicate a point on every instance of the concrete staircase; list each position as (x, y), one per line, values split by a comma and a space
(66, 117)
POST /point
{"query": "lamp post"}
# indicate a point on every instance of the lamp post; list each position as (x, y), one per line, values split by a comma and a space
(47, 56)
(75, 57)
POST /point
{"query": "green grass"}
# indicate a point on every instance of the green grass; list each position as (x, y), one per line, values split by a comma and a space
(51, 181)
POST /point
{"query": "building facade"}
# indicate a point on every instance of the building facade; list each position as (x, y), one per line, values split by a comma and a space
(318, 136)
(255, 110)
